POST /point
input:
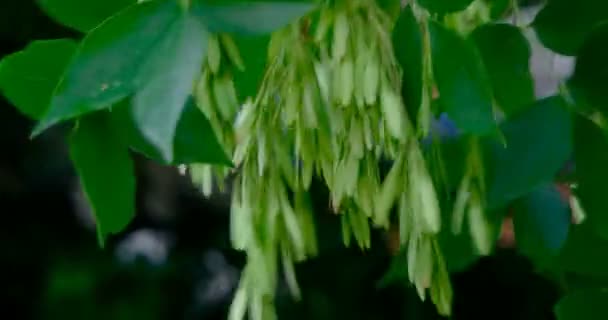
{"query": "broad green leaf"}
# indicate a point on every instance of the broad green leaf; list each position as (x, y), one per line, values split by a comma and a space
(464, 88)
(253, 17)
(122, 57)
(583, 305)
(106, 171)
(590, 79)
(538, 142)
(591, 157)
(254, 50)
(28, 77)
(158, 103)
(107, 66)
(82, 15)
(505, 53)
(445, 6)
(407, 43)
(584, 252)
(563, 25)
(542, 220)
(194, 142)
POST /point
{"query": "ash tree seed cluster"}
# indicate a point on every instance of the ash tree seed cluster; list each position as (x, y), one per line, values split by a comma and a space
(270, 96)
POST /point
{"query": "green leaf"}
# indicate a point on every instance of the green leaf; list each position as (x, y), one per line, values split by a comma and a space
(505, 53)
(541, 221)
(538, 143)
(464, 88)
(407, 43)
(106, 171)
(583, 305)
(252, 18)
(254, 50)
(445, 6)
(589, 81)
(591, 157)
(584, 252)
(563, 25)
(82, 15)
(122, 57)
(194, 142)
(158, 104)
(28, 77)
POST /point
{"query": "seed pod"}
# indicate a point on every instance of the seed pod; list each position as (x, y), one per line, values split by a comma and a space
(326, 18)
(350, 176)
(424, 266)
(223, 99)
(261, 152)
(404, 219)
(238, 308)
(392, 112)
(240, 223)
(412, 253)
(371, 80)
(292, 105)
(460, 205)
(290, 274)
(367, 133)
(341, 34)
(202, 97)
(293, 228)
(346, 233)
(347, 86)
(360, 80)
(391, 187)
(478, 225)
(308, 104)
(214, 54)
(323, 78)
(306, 221)
(356, 139)
(432, 213)
(232, 51)
(365, 191)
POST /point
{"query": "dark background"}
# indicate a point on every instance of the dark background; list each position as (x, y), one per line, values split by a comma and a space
(175, 261)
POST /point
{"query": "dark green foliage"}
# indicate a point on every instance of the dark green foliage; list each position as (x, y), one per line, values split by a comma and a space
(464, 88)
(536, 145)
(505, 53)
(106, 171)
(28, 77)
